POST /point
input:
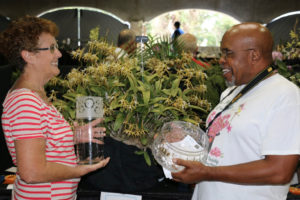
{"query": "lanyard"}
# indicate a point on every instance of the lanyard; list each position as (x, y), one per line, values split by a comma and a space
(248, 87)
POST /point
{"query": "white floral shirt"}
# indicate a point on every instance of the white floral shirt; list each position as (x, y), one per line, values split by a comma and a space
(264, 121)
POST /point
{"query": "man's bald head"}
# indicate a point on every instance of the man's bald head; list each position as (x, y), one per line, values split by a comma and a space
(253, 35)
(187, 43)
(246, 51)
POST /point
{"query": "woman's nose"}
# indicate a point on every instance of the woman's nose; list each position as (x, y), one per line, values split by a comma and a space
(58, 53)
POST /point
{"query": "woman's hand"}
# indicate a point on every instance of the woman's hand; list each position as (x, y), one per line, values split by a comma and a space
(89, 132)
(90, 168)
(33, 166)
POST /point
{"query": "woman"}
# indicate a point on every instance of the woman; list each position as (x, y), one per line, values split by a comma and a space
(39, 139)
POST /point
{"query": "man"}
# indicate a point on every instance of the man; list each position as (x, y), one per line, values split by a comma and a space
(178, 31)
(188, 43)
(126, 43)
(255, 142)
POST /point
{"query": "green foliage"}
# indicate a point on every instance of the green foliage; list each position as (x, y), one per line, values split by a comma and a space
(94, 34)
(139, 97)
(282, 69)
(291, 49)
(290, 66)
(290, 72)
(215, 84)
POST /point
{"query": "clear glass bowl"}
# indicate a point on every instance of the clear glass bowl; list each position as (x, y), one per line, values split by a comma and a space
(179, 139)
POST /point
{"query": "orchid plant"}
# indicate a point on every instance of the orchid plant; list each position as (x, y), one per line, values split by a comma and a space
(140, 92)
(287, 57)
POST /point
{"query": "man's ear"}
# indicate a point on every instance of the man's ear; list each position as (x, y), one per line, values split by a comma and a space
(255, 55)
(27, 56)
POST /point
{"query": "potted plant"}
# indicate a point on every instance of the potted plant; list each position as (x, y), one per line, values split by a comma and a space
(140, 92)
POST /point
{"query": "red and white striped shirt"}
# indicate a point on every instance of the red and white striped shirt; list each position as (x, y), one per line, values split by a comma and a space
(26, 116)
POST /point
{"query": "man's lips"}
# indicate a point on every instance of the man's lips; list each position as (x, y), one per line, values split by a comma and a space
(225, 71)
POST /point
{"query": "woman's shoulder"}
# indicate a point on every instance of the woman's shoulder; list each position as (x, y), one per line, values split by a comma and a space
(21, 95)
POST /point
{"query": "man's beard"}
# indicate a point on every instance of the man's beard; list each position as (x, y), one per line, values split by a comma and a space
(230, 83)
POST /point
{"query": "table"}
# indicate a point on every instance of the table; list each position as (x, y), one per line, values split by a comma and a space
(146, 195)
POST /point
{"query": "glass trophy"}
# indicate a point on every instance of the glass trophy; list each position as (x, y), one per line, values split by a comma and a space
(179, 139)
(89, 141)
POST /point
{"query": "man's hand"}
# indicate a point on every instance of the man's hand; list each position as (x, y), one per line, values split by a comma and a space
(273, 169)
(194, 171)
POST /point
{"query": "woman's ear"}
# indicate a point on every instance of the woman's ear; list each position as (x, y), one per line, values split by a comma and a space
(26, 55)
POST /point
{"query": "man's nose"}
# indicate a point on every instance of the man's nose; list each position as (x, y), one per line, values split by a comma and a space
(222, 60)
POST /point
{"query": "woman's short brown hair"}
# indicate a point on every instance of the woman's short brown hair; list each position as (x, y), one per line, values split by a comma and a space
(23, 34)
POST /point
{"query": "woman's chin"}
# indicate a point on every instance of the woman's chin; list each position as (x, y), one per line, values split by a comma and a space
(55, 72)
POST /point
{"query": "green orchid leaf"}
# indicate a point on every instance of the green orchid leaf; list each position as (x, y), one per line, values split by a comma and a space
(144, 88)
(72, 114)
(147, 158)
(187, 91)
(129, 116)
(170, 108)
(144, 141)
(133, 82)
(146, 96)
(98, 91)
(82, 91)
(176, 83)
(190, 120)
(174, 92)
(149, 78)
(70, 97)
(157, 110)
(158, 85)
(198, 108)
(114, 104)
(108, 119)
(157, 99)
(119, 121)
(139, 153)
(167, 91)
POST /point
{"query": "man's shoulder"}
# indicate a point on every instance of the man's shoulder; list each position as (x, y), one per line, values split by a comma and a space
(279, 90)
(281, 84)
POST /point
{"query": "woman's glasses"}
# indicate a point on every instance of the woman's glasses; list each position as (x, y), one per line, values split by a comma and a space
(51, 48)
